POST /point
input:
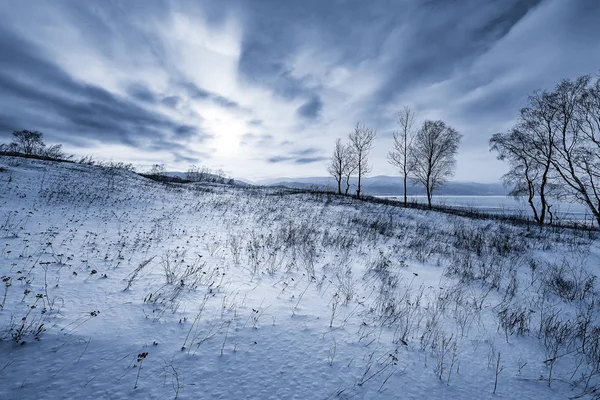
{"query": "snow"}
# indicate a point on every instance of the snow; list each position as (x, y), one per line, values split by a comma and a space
(266, 294)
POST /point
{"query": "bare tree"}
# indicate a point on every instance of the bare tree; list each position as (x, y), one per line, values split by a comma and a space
(27, 142)
(193, 174)
(555, 147)
(341, 165)
(524, 173)
(157, 169)
(361, 141)
(350, 167)
(400, 155)
(30, 143)
(336, 166)
(577, 159)
(220, 176)
(529, 149)
(205, 174)
(435, 146)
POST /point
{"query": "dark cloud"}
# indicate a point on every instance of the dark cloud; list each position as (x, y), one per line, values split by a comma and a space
(441, 41)
(415, 42)
(181, 158)
(171, 101)
(102, 25)
(302, 156)
(309, 160)
(278, 159)
(72, 108)
(274, 29)
(198, 93)
(411, 43)
(306, 152)
(295, 160)
(186, 131)
(311, 109)
(8, 124)
(142, 93)
(260, 66)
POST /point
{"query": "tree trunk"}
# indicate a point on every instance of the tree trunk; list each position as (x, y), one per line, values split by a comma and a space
(339, 182)
(428, 186)
(405, 162)
(531, 203)
(544, 203)
(347, 185)
(405, 201)
(359, 176)
(543, 208)
(428, 196)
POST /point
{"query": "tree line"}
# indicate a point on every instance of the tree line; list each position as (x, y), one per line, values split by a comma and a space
(425, 155)
(553, 150)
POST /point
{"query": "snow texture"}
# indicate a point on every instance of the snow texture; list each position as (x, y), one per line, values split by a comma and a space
(116, 286)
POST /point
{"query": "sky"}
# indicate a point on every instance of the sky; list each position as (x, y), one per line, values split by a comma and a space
(263, 88)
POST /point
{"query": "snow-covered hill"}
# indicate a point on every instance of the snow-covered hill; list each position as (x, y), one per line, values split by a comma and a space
(116, 286)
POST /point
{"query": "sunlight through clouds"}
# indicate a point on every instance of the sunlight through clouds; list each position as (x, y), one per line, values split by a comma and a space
(196, 79)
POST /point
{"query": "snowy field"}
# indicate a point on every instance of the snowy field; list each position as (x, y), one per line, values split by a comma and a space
(505, 205)
(115, 286)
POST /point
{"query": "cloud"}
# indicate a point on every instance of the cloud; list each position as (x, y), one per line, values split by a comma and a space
(309, 160)
(198, 93)
(258, 140)
(278, 159)
(142, 93)
(311, 109)
(171, 101)
(299, 157)
(247, 84)
(37, 92)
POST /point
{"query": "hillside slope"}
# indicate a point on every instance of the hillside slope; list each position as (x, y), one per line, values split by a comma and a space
(115, 286)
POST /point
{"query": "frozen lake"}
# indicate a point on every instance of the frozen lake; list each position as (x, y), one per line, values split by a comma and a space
(505, 205)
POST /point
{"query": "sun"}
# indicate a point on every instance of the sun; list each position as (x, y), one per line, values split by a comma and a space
(225, 127)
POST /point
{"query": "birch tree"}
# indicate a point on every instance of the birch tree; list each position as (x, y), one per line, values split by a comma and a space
(529, 148)
(400, 155)
(361, 142)
(433, 155)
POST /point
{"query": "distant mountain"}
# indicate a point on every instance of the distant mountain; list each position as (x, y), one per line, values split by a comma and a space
(392, 186)
(380, 185)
